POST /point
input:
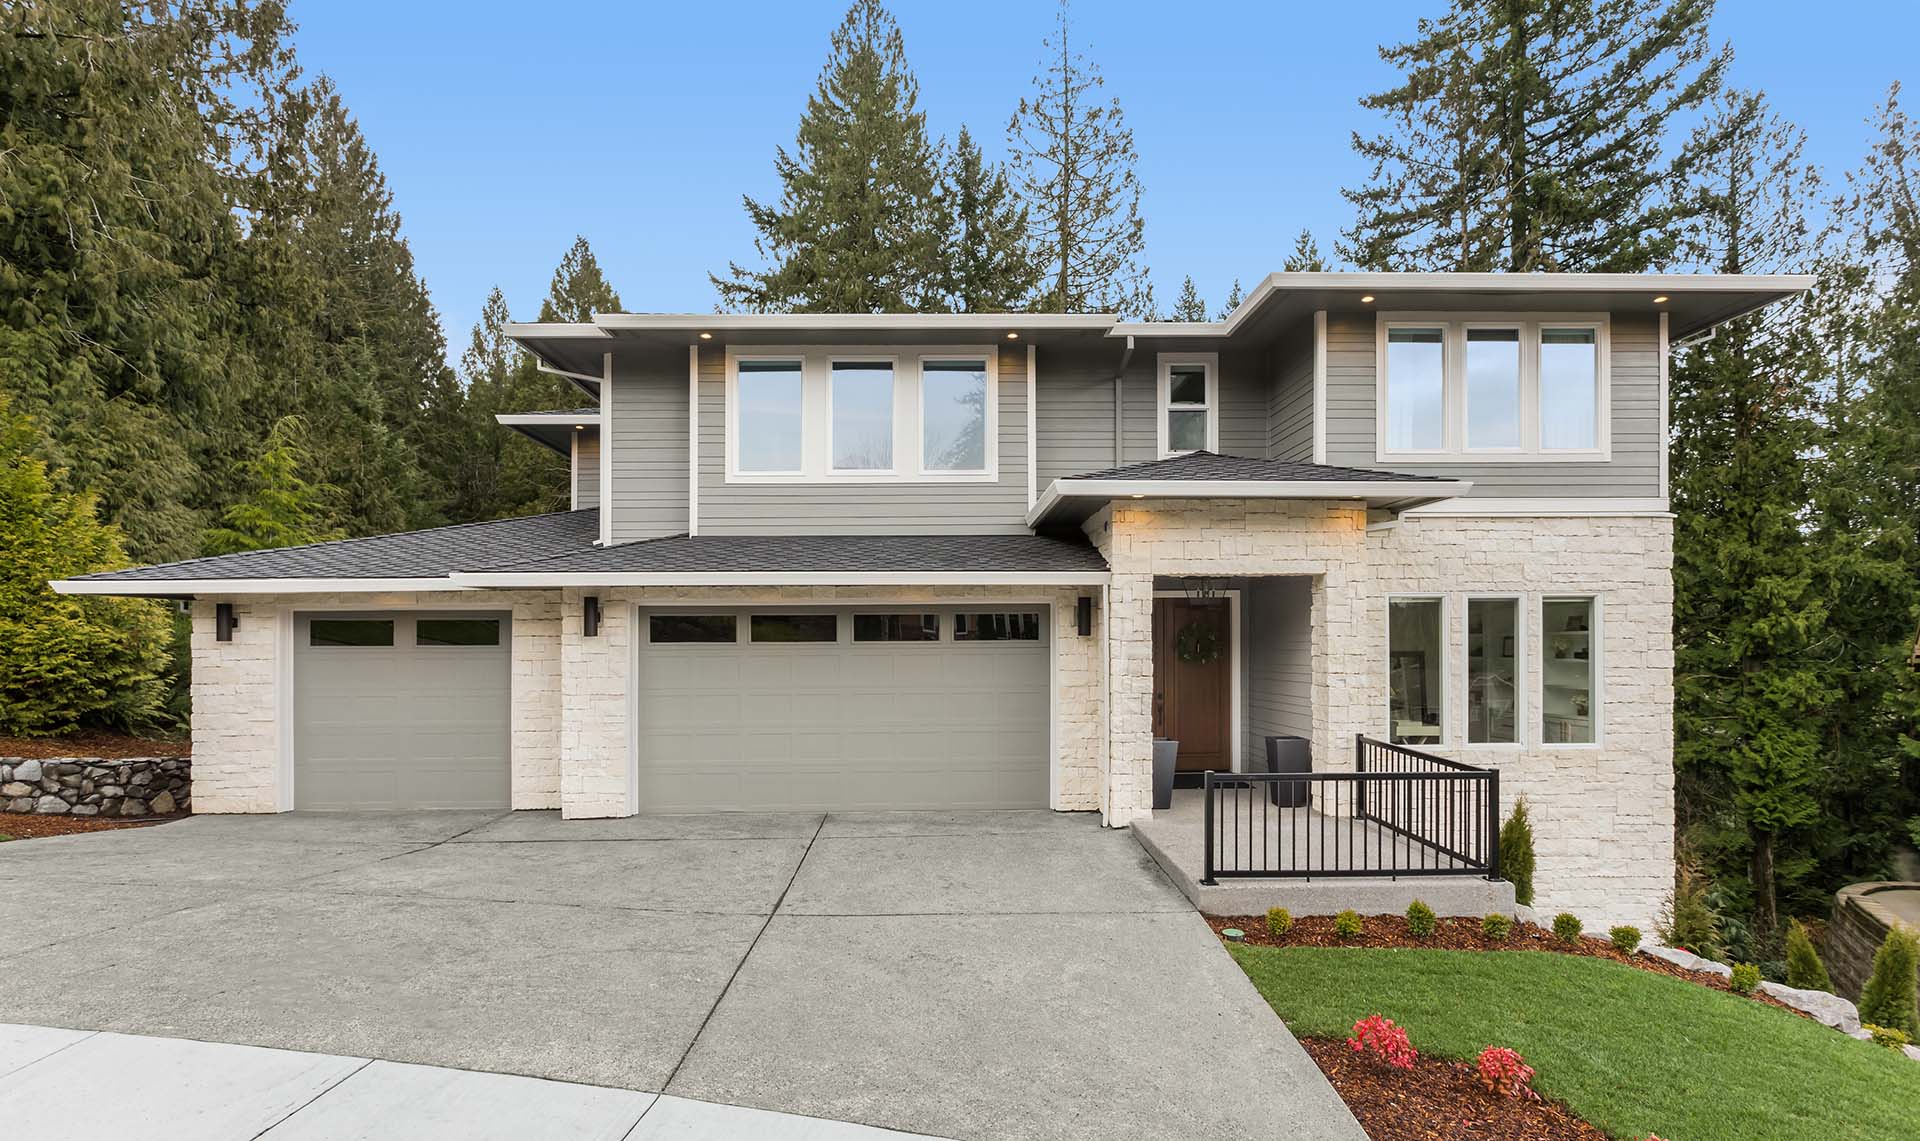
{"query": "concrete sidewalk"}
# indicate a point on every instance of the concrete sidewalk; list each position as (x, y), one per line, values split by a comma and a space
(77, 1085)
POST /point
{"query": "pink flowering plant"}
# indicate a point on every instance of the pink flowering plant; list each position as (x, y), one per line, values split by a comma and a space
(1504, 1072)
(1380, 1037)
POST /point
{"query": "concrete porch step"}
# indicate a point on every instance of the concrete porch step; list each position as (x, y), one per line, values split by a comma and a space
(1174, 842)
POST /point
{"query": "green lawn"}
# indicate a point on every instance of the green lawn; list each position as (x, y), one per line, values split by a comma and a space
(1631, 1051)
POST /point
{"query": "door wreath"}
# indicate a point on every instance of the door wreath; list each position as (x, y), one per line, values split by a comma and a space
(1197, 643)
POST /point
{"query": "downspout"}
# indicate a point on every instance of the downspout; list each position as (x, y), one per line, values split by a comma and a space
(1119, 375)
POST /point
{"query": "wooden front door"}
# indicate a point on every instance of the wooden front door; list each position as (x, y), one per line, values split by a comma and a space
(1193, 679)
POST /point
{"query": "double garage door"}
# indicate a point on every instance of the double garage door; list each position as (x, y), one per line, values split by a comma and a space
(735, 709)
(842, 709)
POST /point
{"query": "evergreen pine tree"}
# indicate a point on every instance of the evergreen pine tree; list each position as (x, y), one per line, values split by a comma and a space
(1305, 257)
(989, 266)
(857, 226)
(281, 507)
(1234, 298)
(1188, 306)
(1531, 135)
(1805, 971)
(1749, 613)
(1889, 998)
(1516, 852)
(1073, 161)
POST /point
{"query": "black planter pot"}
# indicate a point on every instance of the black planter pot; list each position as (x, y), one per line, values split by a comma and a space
(1165, 753)
(1287, 754)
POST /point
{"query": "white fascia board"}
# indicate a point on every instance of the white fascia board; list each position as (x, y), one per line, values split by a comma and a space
(1371, 490)
(1576, 507)
(499, 580)
(609, 323)
(163, 587)
(552, 330)
(543, 419)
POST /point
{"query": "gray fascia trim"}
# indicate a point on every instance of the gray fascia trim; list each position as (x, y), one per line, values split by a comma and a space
(544, 419)
(501, 581)
(851, 322)
(161, 587)
(1376, 492)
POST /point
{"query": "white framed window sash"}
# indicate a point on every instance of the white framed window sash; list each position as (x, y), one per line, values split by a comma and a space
(1522, 683)
(1438, 671)
(816, 413)
(1453, 373)
(1163, 398)
(1596, 668)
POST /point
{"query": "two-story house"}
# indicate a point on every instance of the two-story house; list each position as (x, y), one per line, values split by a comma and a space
(837, 562)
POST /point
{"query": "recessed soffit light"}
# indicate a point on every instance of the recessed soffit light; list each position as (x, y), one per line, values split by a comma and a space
(1660, 300)
(1366, 299)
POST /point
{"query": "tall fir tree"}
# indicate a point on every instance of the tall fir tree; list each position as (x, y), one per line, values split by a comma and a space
(989, 265)
(1750, 611)
(281, 508)
(1188, 306)
(1073, 161)
(1234, 297)
(857, 225)
(1533, 135)
(1306, 257)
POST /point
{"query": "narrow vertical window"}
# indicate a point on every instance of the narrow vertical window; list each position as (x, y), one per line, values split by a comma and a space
(769, 394)
(953, 416)
(862, 396)
(1415, 634)
(1493, 671)
(1493, 388)
(1416, 390)
(1569, 389)
(1568, 644)
(1189, 407)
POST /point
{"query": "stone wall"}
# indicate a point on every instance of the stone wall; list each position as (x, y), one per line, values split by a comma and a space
(1603, 814)
(1858, 927)
(96, 786)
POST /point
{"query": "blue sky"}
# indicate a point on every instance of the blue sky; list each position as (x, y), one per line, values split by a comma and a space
(507, 128)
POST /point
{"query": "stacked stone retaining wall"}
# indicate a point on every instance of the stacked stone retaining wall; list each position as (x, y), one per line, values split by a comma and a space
(96, 786)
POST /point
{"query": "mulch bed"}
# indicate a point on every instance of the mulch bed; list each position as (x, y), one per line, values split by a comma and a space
(1463, 934)
(28, 826)
(91, 743)
(1438, 1099)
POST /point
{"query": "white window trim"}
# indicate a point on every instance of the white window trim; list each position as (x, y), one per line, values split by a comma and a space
(1596, 670)
(1162, 393)
(1522, 683)
(1454, 388)
(1447, 608)
(892, 361)
(816, 413)
(991, 454)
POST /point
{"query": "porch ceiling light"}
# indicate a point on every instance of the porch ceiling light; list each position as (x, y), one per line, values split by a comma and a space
(1660, 300)
(1366, 299)
(579, 427)
(1013, 336)
(706, 336)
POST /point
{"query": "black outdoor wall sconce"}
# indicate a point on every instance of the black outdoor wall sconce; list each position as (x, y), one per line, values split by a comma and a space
(1083, 612)
(224, 623)
(590, 616)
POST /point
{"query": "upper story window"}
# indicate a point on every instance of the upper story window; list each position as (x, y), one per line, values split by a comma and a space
(1189, 402)
(861, 415)
(1493, 388)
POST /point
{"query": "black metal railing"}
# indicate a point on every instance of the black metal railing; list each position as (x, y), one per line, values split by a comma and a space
(1401, 812)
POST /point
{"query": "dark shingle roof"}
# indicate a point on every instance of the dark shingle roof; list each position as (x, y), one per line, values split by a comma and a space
(411, 554)
(1209, 466)
(745, 554)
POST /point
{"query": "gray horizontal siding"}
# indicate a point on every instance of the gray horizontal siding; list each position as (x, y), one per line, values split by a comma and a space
(1279, 664)
(1075, 411)
(586, 469)
(647, 408)
(1243, 406)
(999, 507)
(1633, 472)
(1290, 401)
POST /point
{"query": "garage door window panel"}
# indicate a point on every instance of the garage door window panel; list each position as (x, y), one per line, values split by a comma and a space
(457, 632)
(896, 627)
(681, 629)
(350, 632)
(1021, 626)
(788, 628)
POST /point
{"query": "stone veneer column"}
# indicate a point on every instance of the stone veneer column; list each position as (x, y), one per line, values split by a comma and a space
(236, 711)
(1129, 786)
(536, 701)
(596, 775)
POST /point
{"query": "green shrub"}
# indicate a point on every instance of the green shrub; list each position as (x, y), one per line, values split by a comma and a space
(1886, 1036)
(1688, 918)
(1279, 921)
(1805, 971)
(1516, 853)
(1497, 927)
(1890, 997)
(1626, 940)
(1347, 924)
(1566, 927)
(1420, 920)
(66, 661)
(1745, 977)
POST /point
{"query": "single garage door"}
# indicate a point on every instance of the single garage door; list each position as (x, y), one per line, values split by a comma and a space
(401, 710)
(842, 709)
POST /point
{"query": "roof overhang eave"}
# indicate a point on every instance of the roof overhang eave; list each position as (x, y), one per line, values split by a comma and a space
(193, 587)
(1390, 495)
(536, 580)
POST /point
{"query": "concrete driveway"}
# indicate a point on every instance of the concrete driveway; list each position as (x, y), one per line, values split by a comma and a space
(1008, 974)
